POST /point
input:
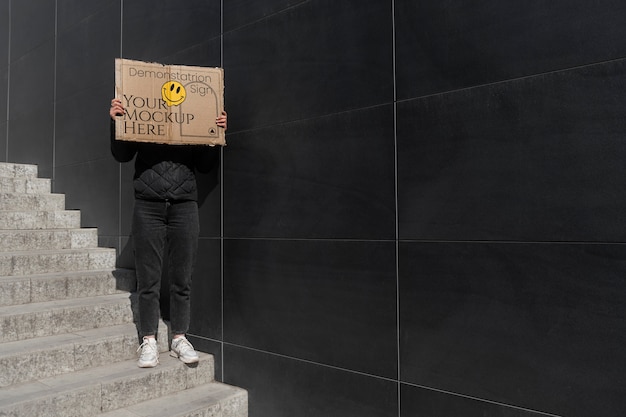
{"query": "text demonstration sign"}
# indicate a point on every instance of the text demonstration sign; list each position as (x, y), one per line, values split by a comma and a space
(171, 104)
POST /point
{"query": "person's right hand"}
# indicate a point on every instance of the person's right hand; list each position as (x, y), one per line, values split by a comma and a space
(117, 109)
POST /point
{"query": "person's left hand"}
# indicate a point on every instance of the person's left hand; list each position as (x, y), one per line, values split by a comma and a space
(222, 120)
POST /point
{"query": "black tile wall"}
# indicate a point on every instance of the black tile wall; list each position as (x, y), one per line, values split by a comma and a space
(243, 12)
(125, 255)
(3, 141)
(127, 196)
(92, 187)
(4, 76)
(32, 24)
(5, 20)
(156, 29)
(282, 387)
(31, 111)
(204, 54)
(4, 91)
(534, 159)
(206, 296)
(507, 127)
(531, 325)
(316, 59)
(73, 12)
(422, 402)
(331, 177)
(209, 200)
(331, 302)
(448, 45)
(85, 53)
(83, 119)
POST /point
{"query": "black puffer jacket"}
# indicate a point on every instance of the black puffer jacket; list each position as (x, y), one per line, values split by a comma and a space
(165, 172)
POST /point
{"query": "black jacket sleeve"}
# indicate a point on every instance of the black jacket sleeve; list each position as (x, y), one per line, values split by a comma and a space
(122, 151)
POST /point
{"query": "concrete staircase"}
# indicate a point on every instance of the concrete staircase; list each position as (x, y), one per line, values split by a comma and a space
(68, 337)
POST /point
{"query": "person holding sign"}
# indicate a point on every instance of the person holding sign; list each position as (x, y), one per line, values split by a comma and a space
(166, 211)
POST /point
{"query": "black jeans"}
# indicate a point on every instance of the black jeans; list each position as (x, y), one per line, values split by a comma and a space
(156, 223)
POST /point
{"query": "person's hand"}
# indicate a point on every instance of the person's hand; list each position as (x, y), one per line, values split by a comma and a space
(117, 109)
(222, 120)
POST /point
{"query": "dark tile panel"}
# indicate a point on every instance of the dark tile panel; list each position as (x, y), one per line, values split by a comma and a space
(31, 112)
(127, 195)
(205, 54)
(32, 24)
(210, 200)
(537, 159)
(4, 38)
(538, 326)
(86, 54)
(93, 188)
(446, 45)
(125, 253)
(206, 295)
(32, 81)
(319, 58)
(3, 141)
(243, 12)
(105, 241)
(332, 302)
(74, 12)
(422, 402)
(4, 95)
(209, 346)
(156, 29)
(283, 387)
(331, 177)
(82, 127)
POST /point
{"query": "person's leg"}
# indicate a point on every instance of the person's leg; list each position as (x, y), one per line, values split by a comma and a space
(183, 232)
(149, 229)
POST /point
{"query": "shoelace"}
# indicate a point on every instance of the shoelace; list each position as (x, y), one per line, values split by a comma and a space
(149, 346)
(183, 345)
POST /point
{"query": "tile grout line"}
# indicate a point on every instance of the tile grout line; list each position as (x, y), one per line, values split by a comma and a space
(456, 394)
(221, 173)
(365, 374)
(119, 170)
(509, 80)
(397, 230)
(8, 100)
(442, 241)
(54, 94)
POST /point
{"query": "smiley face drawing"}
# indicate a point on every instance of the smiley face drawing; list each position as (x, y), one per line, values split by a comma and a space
(173, 93)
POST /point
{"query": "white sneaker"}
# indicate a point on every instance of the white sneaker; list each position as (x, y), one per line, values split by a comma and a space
(149, 356)
(183, 350)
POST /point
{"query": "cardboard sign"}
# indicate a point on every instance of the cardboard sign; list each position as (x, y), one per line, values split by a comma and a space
(172, 104)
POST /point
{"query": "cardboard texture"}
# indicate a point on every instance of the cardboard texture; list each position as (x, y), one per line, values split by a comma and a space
(171, 104)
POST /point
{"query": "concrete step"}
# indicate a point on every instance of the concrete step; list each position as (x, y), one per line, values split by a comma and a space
(28, 321)
(93, 391)
(64, 285)
(25, 185)
(210, 400)
(20, 263)
(11, 170)
(68, 338)
(29, 360)
(37, 239)
(32, 202)
(42, 219)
